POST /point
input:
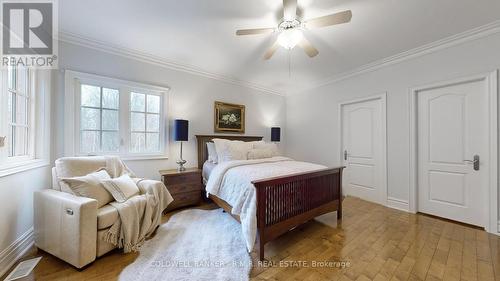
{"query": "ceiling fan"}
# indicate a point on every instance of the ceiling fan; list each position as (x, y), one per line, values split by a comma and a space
(291, 27)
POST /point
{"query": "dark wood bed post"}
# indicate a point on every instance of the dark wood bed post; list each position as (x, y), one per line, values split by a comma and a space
(288, 201)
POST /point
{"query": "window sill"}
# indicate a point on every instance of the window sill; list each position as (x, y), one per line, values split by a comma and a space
(143, 157)
(14, 168)
(129, 157)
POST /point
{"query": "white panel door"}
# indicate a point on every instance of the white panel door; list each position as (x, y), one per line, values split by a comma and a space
(362, 143)
(452, 129)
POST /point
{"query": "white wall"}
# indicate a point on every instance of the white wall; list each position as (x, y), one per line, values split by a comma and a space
(312, 116)
(191, 97)
(16, 204)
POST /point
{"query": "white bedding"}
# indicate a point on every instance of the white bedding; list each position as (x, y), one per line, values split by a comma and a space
(231, 181)
(207, 170)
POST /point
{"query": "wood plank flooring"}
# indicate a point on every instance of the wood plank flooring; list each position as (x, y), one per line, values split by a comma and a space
(375, 242)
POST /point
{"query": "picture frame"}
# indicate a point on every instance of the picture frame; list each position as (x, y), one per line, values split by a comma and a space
(229, 118)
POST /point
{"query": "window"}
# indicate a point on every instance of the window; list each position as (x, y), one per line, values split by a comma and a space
(115, 117)
(24, 120)
(144, 122)
(99, 120)
(18, 130)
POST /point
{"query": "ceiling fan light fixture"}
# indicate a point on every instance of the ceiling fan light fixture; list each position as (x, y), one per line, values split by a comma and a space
(289, 38)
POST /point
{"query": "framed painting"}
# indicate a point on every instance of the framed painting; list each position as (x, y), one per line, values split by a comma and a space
(229, 118)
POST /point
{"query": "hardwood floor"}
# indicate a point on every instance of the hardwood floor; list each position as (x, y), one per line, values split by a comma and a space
(376, 242)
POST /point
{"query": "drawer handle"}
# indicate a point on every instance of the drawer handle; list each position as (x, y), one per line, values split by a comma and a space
(69, 212)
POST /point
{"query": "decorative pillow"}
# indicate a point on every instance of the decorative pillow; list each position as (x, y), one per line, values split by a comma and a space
(269, 146)
(90, 186)
(212, 152)
(121, 188)
(259, 153)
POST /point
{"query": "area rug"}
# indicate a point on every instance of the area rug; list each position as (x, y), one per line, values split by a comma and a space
(193, 245)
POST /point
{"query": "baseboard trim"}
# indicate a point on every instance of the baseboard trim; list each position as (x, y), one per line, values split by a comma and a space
(398, 204)
(16, 250)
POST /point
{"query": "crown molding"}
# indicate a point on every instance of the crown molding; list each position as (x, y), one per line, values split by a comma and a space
(457, 39)
(83, 41)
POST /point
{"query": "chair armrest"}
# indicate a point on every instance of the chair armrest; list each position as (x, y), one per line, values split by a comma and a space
(66, 226)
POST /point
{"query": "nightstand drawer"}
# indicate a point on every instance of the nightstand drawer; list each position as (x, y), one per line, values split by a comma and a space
(182, 179)
(184, 187)
(185, 199)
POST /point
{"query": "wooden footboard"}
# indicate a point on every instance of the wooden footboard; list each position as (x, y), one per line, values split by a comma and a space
(288, 201)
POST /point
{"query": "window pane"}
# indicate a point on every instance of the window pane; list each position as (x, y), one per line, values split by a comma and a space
(110, 98)
(137, 142)
(153, 124)
(110, 141)
(153, 104)
(10, 140)
(91, 96)
(90, 119)
(153, 142)
(138, 122)
(109, 119)
(89, 141)
(20, 142)
(137, 102)
(10, 107)
(22, 79)
(21, 110)
(12, 78)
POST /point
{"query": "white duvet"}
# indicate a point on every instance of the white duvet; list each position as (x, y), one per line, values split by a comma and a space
(232, 182)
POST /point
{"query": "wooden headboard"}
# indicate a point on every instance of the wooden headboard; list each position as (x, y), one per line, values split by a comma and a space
(202, 144)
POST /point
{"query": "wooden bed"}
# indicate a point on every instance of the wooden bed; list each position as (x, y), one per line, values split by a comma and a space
(287, 201)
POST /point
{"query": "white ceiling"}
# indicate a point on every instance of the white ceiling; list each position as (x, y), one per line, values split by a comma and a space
(200, 33)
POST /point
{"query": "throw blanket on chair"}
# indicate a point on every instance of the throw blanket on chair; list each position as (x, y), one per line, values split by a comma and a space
(140, 215)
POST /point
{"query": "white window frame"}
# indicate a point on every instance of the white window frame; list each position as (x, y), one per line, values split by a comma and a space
(73, 81)
(38, 116)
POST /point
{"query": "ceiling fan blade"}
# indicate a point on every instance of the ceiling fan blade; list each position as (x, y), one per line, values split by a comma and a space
(308, 47)
(332, 19)
(254, 31)
(270, 52)
(289, 9)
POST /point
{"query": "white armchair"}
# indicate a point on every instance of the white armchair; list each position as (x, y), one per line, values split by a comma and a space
(72, 227)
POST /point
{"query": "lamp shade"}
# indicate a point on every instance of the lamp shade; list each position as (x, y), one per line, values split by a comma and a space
(181, 130)
(275, 134)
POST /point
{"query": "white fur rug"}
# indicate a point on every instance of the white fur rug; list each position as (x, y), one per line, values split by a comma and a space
(193, 245)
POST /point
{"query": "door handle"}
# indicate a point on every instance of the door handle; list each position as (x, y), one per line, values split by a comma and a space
(475, 162)
(345, 154)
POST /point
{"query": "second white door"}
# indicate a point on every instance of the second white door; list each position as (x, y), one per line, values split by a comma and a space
(452, 143)
(363, 145)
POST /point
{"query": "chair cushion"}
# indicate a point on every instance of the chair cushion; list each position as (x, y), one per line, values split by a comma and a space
(106, 216)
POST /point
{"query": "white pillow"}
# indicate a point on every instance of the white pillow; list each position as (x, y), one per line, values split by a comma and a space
(212, 152)
(220, 148)
(238, 150)
(254, 143)
(231, 150)
(259, 153)
(121, 188)
(269, 146)
(90, 186)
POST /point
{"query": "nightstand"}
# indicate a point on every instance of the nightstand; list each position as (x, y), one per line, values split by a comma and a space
(185, 187)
